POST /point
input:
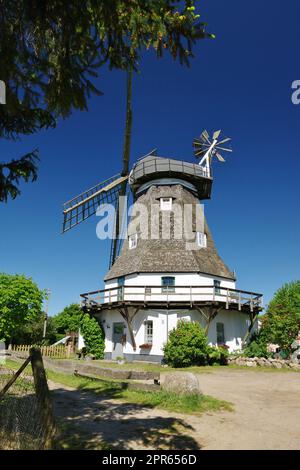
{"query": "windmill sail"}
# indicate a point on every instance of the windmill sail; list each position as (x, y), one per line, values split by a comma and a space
(85, 205)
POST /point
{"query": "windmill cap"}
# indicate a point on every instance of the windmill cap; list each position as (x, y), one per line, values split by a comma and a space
(152, 167)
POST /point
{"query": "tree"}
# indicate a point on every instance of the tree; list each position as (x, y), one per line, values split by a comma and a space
(68, 320)
(20, 303)
(71, 319)
(50, 53)
(281, 324)
(32, 332)
(187, 345)
(93, 336)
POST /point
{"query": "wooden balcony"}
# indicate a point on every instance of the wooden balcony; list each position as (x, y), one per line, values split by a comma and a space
(173, 297)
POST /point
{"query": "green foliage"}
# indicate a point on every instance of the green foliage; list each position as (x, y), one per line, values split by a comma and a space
(69, 320)
(50, 53)
(11, 173)
(217, 355)
(281, 324)
(93, 335)
(187, 345)
(20, 303)
(32, 333)
(257, 347)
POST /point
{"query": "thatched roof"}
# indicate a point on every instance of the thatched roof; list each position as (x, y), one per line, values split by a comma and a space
(167, 256)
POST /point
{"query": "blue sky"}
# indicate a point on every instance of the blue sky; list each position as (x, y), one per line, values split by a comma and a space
(241, 83)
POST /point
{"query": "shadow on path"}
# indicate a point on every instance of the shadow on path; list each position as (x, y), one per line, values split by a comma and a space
(120, 425)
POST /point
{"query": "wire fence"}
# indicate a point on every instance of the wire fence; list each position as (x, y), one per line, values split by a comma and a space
(26, 416)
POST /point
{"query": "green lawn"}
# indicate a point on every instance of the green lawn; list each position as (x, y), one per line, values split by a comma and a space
(195, 369)
(156, 399)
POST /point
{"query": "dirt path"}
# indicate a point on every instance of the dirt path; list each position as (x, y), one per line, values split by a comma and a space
(266, 415)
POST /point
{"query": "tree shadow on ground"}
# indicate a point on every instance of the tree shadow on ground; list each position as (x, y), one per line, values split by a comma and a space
(100, 422)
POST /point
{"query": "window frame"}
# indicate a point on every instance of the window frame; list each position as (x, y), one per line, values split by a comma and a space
(204, 238)
(168, 288)
(217, 286)
(218, 333)
(168, 201)
(132, 241)
(148, 337)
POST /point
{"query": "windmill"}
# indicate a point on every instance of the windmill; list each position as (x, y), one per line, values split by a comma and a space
(206, 148)
(83, 206)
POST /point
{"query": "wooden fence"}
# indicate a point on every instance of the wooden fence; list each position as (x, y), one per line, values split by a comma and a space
(26, 413)
(56, 352)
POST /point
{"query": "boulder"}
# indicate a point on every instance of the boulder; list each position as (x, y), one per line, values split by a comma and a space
(181, 383)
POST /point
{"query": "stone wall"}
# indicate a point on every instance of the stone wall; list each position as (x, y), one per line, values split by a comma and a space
(262, 362)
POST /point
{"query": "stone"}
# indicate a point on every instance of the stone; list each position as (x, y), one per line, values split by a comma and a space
(250, 364)
(261, 363)
(296, 344)
(181, 383)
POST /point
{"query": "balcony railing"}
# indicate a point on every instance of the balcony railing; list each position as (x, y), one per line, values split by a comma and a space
(179, 294)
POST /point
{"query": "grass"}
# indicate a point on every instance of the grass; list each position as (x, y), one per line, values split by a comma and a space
(195, 369)
(157, 399)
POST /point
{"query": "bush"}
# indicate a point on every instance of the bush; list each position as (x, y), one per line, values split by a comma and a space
(257, 348)
(218, 355)
(93, 336)
(187, 345)
(281, 323)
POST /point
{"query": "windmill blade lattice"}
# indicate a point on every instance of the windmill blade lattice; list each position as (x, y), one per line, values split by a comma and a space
(205, 147)
(85, 205)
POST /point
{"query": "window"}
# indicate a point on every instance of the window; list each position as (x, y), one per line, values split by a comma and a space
(132, 241)
(220, 334)
(217, 285)
(201, 239)
(165, 203)
(148, 332)
(168, 284)
(120, 291)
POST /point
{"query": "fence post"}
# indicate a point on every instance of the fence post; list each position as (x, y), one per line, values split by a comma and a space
(43, 397)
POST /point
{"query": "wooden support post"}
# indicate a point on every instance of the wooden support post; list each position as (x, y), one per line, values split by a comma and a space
(253, 319)
(212, 316)
(43, 397)
(125, 314)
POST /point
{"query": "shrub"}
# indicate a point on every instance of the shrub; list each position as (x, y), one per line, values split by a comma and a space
(281, 323)
(187, 345)
(257, 348)
(218, 355)
(93, 335)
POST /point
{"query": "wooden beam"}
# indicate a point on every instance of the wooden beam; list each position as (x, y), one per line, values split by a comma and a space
(212, 316)
(253, 319)
(125, 314)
